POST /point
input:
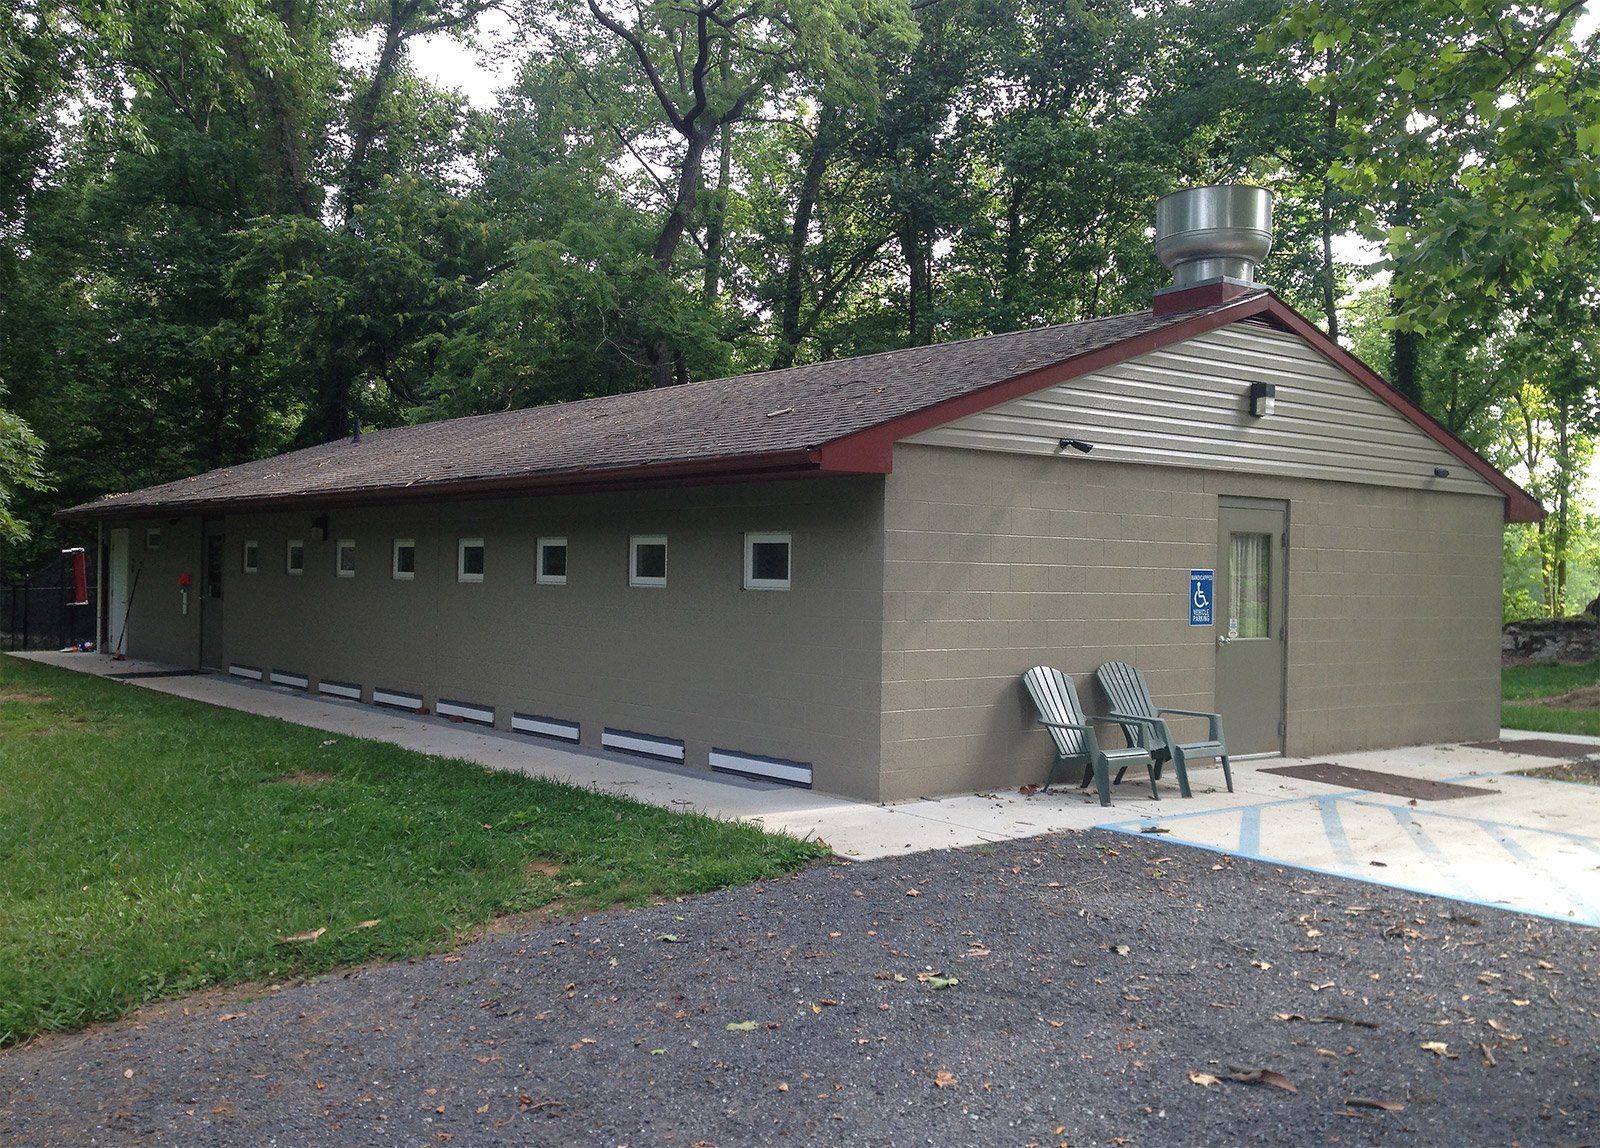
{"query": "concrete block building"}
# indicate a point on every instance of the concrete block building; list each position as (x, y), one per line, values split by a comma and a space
(834, 575)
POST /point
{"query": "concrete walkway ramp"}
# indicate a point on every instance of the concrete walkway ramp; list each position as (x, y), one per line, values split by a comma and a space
(1450, 820)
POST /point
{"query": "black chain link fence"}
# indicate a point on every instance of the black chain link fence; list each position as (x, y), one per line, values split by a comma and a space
(39, 613)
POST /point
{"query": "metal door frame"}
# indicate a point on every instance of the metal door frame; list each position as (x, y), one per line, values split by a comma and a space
(1241, 502)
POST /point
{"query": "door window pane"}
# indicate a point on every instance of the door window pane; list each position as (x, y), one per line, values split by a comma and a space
(1250, 583)
(213, 566)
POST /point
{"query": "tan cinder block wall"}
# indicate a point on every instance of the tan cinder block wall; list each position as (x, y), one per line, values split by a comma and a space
(794, 674)
(996, 562)
(157, 626)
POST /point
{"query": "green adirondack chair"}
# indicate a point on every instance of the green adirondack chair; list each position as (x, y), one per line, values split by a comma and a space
(1129, 695)
(1073, 733)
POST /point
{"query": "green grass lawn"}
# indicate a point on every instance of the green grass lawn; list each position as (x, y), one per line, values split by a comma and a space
(1522, 686)
(151, 845)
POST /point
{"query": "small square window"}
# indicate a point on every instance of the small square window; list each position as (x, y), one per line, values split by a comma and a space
(252, 556)
(469, 560)
(152, 538)
(552, 562)
(295, 556)
(405, 559)
(647, 560)
(766, 561)
(344, 560)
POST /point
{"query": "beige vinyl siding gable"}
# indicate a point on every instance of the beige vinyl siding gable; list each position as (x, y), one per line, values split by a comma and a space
(1189, 405)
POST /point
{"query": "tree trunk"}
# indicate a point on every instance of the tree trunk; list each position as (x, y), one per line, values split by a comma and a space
(1330, 286)
(717, 223)
(364, 116)
(1010, 263)
(918, 298)
(683, 200)
(799, 238)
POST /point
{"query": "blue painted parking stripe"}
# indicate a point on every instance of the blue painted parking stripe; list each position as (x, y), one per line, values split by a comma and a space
(1333, 829)
(1514, 847)
(1426, 891)
(1579, 838)
(1250, 829)
(1429, 847)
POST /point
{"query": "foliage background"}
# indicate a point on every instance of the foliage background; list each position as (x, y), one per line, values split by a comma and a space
(228, 227)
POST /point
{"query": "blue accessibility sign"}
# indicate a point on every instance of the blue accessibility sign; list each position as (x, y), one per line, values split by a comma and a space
(1201, 584)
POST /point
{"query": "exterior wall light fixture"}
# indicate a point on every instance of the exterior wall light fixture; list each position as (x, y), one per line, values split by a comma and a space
(1076, 444)
(1263, 399)
(319, 528)
(1441, 472)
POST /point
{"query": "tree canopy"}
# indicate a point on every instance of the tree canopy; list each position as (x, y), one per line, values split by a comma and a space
(231, 227)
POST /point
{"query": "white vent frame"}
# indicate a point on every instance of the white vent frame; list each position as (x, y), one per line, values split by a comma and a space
(466, 711)
(541, 726)
(396, 699)
(760, 767)
(350, 691)
(645, 744)
(289, 678)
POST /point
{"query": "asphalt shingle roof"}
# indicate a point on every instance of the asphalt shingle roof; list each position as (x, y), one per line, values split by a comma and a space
(744, 416)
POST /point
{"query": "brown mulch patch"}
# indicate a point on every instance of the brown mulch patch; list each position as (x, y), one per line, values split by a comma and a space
(18, 696)
(303, 777)
(1583, 698)
(1583, 772)
(538, 868)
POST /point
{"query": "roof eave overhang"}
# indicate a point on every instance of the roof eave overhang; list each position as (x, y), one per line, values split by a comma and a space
(811, 462)
(877, 441)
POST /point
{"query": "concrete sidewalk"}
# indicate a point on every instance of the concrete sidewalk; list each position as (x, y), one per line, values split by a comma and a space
(1531, 844)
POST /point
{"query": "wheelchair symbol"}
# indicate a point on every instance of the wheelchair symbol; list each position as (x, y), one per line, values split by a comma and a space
(1201, 602)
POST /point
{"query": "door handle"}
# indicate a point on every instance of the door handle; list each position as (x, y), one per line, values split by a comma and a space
(1223, 639)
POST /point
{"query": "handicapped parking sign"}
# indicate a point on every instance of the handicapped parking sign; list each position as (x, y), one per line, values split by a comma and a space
(1201, 583)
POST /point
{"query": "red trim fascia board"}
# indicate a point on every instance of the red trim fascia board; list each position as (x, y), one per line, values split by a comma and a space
(1176, 299)
(712, 471)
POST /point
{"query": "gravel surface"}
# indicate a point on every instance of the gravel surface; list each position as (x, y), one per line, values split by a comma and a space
(1098, 976)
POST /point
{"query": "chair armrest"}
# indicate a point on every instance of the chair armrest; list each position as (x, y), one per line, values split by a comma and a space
(1091, 744)
(1148, 726)
(1133, 719)
(1214, 720)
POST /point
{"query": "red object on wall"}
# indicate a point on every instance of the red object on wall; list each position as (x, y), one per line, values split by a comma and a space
(80, 575)
(186, 579)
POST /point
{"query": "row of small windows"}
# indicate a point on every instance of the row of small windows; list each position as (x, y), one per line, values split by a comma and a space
(766, 560)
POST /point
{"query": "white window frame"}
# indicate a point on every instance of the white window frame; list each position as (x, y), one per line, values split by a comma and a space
(539, 575)
(394, 559)
(462, 546)
(152, 538)
(634, 577)
(288, 553)
(751, 539)
(250, 559)
(339, 548)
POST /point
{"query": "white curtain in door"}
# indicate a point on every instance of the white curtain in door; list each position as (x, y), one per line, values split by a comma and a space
(1249, 577)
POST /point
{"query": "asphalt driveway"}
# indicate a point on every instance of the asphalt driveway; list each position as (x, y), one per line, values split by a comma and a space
(1096, 978)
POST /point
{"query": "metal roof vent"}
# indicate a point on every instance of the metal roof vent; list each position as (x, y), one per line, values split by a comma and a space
(1222, 232)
